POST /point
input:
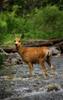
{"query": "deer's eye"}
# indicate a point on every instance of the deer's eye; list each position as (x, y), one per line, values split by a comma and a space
(19, 40)
(14, 41)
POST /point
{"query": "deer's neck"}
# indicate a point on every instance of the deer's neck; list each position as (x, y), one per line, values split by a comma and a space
(20, 50)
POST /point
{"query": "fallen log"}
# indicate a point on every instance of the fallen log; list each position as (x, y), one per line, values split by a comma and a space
(10, 50)
(39, 43)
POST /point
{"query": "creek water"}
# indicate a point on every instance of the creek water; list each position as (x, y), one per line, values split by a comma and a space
(15, 83)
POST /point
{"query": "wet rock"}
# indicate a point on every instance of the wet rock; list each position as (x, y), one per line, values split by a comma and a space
(3, 52)
(53, 87)
(4, 94)
(13, 59)
(19, 61)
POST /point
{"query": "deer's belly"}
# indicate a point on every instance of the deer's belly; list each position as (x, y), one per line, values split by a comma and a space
(34, 60)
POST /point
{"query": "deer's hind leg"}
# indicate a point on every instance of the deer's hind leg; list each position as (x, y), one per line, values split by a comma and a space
(53, 70)
(48, 60)
(43, 68)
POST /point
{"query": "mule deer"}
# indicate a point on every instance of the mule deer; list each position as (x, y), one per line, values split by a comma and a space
(33, 55)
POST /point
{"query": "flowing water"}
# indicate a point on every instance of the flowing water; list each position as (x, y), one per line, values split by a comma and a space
(15, 83)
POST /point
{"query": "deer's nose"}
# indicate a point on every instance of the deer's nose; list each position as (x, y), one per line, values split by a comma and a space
(16, 44)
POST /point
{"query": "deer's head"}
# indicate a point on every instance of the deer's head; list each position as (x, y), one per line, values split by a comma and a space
(18, 41)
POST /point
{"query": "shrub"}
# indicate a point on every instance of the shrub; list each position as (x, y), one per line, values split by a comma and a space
(40, 23)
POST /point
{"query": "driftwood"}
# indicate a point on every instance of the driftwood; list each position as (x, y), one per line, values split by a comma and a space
(38, 43)
(10, 49)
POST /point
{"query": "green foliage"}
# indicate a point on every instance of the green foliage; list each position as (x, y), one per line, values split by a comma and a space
(45, 23)
(23, 7)
(40, 23)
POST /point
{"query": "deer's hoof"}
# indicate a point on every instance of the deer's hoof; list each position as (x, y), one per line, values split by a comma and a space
(46, 75)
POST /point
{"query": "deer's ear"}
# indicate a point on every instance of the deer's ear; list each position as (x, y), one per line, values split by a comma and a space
(22, 35)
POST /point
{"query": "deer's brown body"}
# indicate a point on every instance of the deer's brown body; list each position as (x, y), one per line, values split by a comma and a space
(33, 55)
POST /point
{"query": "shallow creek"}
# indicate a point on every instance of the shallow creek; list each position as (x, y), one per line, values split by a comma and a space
(15, 83)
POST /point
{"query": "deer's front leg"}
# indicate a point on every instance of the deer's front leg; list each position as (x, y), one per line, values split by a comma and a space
(30, 68)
